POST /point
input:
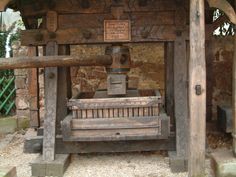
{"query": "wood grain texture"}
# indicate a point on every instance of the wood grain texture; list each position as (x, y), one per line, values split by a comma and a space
(181, 96)
(33, 86)
(197, 102)
(115, 129)
(64, 88)
(234, 96)
(51, 89)
(169, 79)
(54, 61)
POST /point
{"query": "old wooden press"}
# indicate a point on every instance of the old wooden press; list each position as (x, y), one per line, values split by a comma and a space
(119, 118)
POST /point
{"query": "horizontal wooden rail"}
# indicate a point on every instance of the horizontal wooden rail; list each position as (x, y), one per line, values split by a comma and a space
(54, 61)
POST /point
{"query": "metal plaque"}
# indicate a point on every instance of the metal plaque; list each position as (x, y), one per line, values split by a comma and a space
(117, 31)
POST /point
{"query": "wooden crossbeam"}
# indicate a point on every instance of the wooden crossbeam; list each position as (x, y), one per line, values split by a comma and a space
(53, 61)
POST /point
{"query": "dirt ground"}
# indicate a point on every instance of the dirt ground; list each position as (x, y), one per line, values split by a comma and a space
(152, 164)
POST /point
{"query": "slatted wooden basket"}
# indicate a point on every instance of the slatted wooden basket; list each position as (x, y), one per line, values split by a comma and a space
(115, 119)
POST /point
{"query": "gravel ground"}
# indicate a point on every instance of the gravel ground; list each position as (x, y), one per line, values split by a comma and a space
(153, 164)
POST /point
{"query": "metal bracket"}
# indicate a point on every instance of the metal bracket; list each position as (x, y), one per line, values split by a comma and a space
(198, 89)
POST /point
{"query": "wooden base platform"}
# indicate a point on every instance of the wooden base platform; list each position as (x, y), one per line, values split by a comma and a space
(115, 129)
(34, 145)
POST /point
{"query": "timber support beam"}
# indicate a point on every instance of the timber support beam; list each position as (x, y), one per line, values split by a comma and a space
(197, 90)
(54, 61)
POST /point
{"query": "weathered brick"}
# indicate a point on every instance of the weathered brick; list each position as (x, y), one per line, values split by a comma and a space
(22, 103)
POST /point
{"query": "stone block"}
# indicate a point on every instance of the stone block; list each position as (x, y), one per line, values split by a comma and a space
(23, 123)
(51, 168)
(8, 172)
(8, 125)
(20, 72)
(177, 164)
(223, 163)
(22, 113)
(22, 92)
(22, 103)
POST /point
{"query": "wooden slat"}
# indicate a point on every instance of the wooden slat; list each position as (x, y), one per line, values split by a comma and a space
(197, 101)
(115, 135)
(119, 123)
(33, 86)
(105, 103)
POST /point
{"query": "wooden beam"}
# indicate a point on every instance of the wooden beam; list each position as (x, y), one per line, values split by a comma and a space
(234, 95)
(169, 80)
(75, 36)
(51, 93)
(51, 84)
(226, 7)
(34, 145)
(96, 7)
(53, 61)
(3, 4)
(197, 90)
(181, 96)
(33, 85)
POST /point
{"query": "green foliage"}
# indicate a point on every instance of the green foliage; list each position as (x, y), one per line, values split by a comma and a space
(3, 37)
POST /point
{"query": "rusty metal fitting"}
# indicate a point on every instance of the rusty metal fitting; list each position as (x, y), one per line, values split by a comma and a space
(121, 61)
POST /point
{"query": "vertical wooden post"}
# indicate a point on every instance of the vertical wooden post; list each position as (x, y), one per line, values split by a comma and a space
(234, 93)
(169, 79)
(64, 88)
(33, 86)
(51, 84)
(181, 96)
(197, 90)
(51, 93)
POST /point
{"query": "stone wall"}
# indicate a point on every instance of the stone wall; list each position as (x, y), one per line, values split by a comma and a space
(147, 73)
(21, 75)
(21, 84)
